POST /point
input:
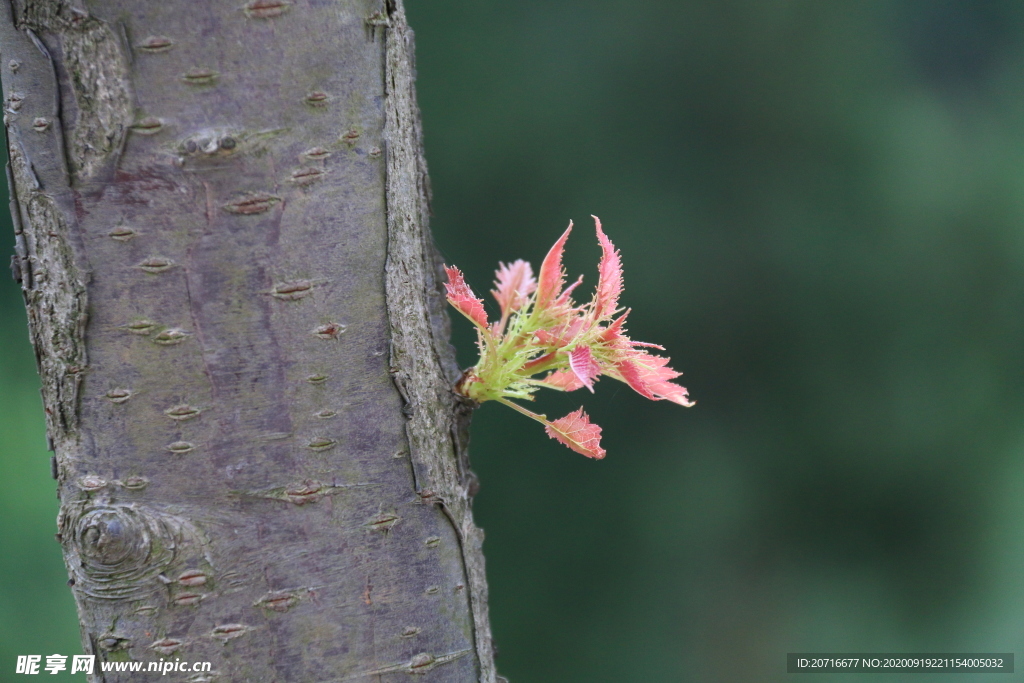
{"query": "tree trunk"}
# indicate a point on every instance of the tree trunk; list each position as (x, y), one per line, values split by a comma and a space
(221, 218)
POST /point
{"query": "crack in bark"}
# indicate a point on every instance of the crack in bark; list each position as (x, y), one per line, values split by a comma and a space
(54, 293)
(418, 664)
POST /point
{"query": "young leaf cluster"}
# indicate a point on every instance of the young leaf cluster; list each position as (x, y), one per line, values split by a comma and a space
(543, 339)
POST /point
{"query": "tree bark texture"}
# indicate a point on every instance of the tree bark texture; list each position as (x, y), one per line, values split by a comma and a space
(221, 219)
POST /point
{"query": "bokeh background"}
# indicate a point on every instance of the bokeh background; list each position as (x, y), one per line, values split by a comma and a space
(820, 207)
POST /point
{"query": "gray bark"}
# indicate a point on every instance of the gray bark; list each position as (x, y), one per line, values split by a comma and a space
(221, 218)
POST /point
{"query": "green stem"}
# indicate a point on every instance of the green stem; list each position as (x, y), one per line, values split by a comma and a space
(533, 416)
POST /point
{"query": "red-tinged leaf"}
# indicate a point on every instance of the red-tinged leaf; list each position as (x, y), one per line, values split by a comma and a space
(565, 298)
(551, 278)
(546, 337)
(462, 298)
(647, 345)
(583, 365)
(609, 281)
(617, 335)
(528, 368)
(651, 377)
(561, 335)
(514, 284)
(614, 331)
(576, 431)
(564, 380)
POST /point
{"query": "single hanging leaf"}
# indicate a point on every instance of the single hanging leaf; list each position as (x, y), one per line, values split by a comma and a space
(609, 282)
(515, 282)
(583, 365)
(462, 298)
(552, 275)
(576, 431)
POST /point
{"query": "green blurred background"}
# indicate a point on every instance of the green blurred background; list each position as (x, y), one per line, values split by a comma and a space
(820, 207)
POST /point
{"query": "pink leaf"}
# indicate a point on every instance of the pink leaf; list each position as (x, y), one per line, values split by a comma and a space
(514, 284)
(552, 275)
(584, 366)
(547, 338)
(609, 282)
(564, 380)
(577, 432)
(564, 299)
(650, 376)
(462, 298)
(648, 345)
(561, 335)
(530, 367)
(614, 331)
